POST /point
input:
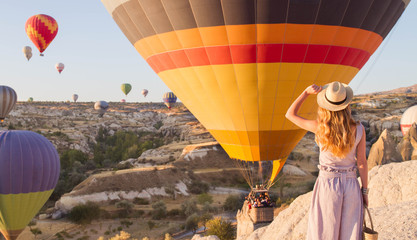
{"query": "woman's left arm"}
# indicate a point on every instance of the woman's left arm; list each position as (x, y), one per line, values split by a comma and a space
(363, 164)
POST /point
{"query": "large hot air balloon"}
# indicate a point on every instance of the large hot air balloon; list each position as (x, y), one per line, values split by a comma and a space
(145, 92)
(30, 99)
(408, 118)
(59, 67)
(237, 65)
(170, 99)
(27, 51)
(41, 29)
(74, 97)
(101, 107)
(29, 172)
(126, 87)
(8, 98)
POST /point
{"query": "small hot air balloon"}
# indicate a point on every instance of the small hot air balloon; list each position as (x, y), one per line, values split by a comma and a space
(41, 29)
(8, 99)
(408, 118)
(59, 67)
(101, 107)
(170, 99)
(29, 172)
(126, 87)
(30, 99)
(123, 100)
(144, 92)
(74, 97)
(27, 51)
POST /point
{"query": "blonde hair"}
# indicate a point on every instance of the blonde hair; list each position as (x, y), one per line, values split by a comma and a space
(334, 132)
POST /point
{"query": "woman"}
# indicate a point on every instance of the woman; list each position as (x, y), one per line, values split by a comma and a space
(336, 210)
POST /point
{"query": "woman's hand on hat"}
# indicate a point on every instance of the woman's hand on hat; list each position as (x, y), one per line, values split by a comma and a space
(313, 89)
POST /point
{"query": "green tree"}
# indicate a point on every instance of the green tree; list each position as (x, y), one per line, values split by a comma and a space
(159, 210)
(222, 229)
(189, 207)
(84, 213)
(69, 157)
(192, 222)
(203, 198)
(233, 203)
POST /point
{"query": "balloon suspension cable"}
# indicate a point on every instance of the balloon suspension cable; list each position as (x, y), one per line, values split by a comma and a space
(244, 171)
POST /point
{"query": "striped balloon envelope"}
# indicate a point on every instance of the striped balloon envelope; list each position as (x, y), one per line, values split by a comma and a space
(8, 98)
(408, 118)
(41, 29)
(29, 172)
(237, 65)
(169, 99)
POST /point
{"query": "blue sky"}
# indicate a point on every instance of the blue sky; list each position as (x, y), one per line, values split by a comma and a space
(98, 58)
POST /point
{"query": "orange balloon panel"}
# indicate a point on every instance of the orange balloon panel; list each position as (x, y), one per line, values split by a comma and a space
(239, 64)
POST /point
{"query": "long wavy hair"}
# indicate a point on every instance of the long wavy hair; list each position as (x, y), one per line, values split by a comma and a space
(334, 132)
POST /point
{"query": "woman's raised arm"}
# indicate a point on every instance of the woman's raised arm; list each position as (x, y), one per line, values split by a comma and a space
(292, 112)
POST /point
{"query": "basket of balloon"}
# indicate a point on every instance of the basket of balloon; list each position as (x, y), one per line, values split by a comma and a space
(262, 214)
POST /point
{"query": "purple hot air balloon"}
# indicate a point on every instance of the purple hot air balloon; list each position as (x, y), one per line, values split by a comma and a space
(29, 172)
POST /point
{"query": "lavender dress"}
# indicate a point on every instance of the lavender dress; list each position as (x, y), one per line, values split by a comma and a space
(336, 211)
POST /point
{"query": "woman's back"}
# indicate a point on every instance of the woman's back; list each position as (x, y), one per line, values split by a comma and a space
(327, 159)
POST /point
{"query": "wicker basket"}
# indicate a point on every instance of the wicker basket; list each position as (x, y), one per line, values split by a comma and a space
(369, 233)
(262, 214)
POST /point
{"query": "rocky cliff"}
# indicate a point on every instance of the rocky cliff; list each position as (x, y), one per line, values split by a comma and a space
(392, 202)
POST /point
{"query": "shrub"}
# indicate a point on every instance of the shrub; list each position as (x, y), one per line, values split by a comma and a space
(198, 187)
(84, 214)
(233, 203)
(159, 210)
(203, 198)
(189, 207)
(140, 201)
(192, 222)
(222, 229)
(151, 225)
(174, 212)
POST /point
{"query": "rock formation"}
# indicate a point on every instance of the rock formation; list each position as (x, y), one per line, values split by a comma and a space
(392, 200)
(199, 237)
(408, 146)
(383, 151)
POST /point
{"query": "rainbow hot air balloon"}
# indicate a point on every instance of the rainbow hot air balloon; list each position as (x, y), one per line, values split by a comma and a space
(41, 29)
(74, 97)
(101, 107)
(408, 118)
(27, 51)
(170, 99)
(59, 67)
(29, 172)
(145, 92)
(126, 87)
(8, 98)
(238, 65)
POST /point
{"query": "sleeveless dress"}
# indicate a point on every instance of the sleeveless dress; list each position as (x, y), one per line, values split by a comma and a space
(336, 211)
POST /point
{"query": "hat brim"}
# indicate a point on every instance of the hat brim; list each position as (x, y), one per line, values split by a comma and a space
(323, 103)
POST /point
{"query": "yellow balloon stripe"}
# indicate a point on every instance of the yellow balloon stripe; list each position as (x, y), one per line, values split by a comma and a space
(32, 31)
(259, 34)
(18, 209)
(52, 26)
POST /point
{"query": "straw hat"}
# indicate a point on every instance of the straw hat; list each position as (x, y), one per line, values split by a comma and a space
(335, 96)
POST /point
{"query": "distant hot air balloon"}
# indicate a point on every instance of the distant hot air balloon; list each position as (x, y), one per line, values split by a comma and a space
(237, 65)
(29, 172)
(408, 118)
(27, 51)
(170, 99)
(74, 97)
(30, 99)
(8, 99)
(123, 100)
(41, 29)
(101, 107)
(144, 92)
(59, 67)
(126, 87)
